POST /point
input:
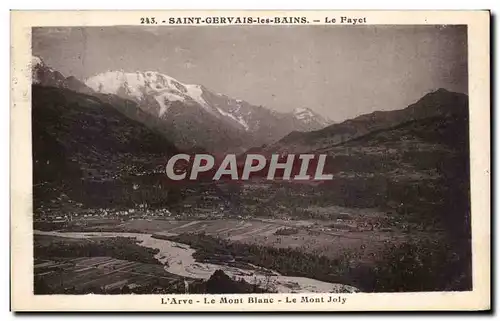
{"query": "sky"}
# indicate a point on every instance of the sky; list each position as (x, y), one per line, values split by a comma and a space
(338, 71)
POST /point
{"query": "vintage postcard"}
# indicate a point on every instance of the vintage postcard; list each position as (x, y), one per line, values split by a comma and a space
(250, 160)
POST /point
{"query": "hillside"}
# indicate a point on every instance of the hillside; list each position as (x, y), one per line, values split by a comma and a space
(88, 151)
(417, 171)
(438, 103)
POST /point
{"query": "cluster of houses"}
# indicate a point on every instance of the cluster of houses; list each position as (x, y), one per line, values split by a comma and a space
(103, 213)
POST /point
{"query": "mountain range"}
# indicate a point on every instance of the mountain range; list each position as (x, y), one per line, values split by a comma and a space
(195, 116)
(87, 138)
(96, 146)
(191, 116)
(437, 103)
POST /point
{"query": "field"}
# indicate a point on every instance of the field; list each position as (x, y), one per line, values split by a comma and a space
(310, 237)
(381, 261)
(331, 238)
(92, 273)
(98, 275)
(96, 265)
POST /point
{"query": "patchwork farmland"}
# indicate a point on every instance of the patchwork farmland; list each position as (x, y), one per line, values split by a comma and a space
(99, 274)
(331, 238)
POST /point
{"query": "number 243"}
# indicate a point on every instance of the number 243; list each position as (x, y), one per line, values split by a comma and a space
(148, 21)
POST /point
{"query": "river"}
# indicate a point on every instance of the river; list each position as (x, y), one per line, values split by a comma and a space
(180, 261)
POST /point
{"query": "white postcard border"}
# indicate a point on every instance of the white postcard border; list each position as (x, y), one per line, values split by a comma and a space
(21, 175)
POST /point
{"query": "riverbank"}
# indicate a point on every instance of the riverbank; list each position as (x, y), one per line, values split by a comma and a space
(178, 259)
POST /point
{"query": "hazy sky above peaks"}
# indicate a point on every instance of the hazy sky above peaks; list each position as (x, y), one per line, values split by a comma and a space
(337, 71)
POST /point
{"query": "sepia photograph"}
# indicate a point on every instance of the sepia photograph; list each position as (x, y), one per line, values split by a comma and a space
(170, 158)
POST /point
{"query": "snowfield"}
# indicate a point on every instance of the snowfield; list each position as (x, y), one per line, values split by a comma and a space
(138, 85)
(142, 86)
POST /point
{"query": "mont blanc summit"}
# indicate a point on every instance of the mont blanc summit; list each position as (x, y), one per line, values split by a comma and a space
(139, 85)
(185, 106)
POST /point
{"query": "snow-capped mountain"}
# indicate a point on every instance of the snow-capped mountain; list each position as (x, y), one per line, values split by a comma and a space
(310, 117)
(139, 85)
(163, 91)
(166, 98)
(191, 116)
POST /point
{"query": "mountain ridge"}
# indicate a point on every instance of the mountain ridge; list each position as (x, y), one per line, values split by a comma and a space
(193, 117)
(164, 97)
(43, 75)
(438, 102)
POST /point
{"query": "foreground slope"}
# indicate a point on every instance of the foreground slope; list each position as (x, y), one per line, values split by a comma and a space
(85, 148)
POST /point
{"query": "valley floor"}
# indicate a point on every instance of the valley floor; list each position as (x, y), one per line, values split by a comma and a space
(288, 255)
(314, 236)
